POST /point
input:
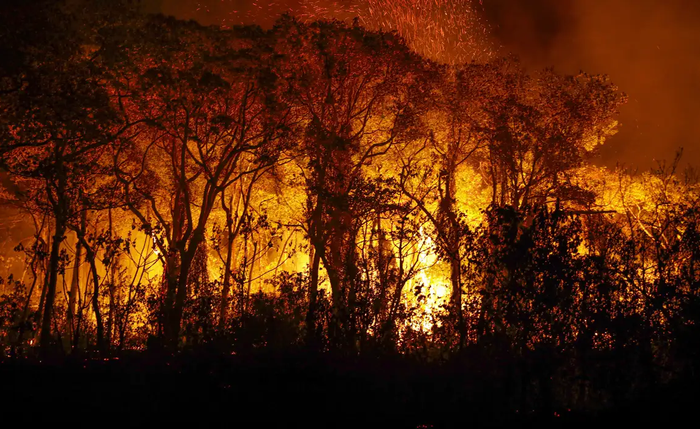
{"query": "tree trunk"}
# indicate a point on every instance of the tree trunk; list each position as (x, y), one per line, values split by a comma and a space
(42, 298)
(111, 316)
(173, 325)
(232, 232)
(337, 307)
(113, 324)
(79, 323)
(75, 284)
(226, 288)
(311, 335)
(250, 275)
(90, 254)
(456, 298)
(25, 309)
(45, 340)
(172, 274)
(385, 265)
(316, 251)
(452, 231)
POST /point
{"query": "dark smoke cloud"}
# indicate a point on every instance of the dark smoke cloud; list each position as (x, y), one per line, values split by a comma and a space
(649, 48)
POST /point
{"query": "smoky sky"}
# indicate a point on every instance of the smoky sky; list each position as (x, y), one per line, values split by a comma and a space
(649, 48)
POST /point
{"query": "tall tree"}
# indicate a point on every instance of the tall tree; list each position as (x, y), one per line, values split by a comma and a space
(359, 93)
(56, 116)
(209, 118)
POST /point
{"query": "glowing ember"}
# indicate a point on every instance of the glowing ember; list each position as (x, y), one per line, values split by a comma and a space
(451, 31)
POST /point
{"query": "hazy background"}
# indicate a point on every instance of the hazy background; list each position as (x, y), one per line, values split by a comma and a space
(649, 48)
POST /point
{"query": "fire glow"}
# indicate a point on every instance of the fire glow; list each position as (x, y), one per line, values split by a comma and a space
(366, 182)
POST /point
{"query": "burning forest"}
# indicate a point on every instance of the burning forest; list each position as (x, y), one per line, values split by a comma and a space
(330, 193)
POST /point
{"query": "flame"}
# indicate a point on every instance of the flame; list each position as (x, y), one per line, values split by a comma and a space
(155, 246)
(434, 287)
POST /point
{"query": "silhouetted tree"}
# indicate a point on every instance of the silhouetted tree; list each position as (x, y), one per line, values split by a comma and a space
(359, 93)
(209, 118)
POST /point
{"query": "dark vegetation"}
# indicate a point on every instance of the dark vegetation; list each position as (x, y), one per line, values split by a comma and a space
(116, 126)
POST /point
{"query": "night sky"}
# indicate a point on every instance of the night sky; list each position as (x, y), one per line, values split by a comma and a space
(649, 48)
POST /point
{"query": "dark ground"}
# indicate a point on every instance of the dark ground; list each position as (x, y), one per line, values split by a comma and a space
(288, 391)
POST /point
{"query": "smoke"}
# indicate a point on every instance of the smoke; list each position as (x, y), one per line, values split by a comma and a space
(649, 48)
(449, 31)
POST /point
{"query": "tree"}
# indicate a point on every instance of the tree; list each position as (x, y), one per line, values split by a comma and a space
(208, 118)
(538, 129)
(56, 118)
(429, 174)
(359, 93)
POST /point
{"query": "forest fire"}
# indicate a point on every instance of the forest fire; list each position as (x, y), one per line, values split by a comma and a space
(381, 187)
